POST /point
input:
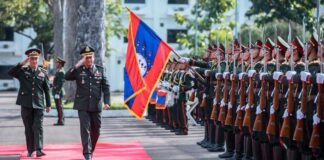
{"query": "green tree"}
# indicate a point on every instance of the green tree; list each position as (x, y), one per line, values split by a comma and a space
(209, 13)
(23, 14)
(113, 23)
(268, 31)
(268, 11)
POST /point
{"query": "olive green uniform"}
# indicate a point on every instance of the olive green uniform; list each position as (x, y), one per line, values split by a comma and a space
(58, 93)
(91, 83)
(32, 94)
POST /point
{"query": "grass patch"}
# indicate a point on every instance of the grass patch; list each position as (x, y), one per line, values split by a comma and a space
(114, 105)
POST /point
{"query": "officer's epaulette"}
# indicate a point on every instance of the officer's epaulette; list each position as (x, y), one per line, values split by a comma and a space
(43, 70)
(98, 66)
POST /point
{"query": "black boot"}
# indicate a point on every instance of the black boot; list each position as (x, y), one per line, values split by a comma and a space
(278, 153)
(266, 151)
(247, 147)
(256, 150)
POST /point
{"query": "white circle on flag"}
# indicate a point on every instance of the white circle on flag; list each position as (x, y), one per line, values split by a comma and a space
(142, 64)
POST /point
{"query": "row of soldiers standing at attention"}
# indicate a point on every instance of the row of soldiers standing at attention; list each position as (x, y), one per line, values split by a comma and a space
(260, 101)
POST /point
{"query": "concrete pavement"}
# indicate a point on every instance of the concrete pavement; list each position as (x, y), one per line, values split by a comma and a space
(158, 142)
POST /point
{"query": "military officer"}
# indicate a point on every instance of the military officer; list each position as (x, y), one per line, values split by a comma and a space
(34, 84)
(58, 90)
(91, 82)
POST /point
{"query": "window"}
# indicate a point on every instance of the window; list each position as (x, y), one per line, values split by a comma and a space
(177, 1)
(6, 34)
(134, 1)
(172, 34)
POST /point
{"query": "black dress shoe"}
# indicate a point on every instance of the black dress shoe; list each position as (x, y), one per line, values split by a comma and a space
(226, 155)
(200, 142)
(217, 148)
(181, 133)
(204, 145)
(40, 153)
(236, 156)
(87, 157)
(58, 124)
(29, 154)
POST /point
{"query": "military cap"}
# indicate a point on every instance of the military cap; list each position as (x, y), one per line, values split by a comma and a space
(60, 60)
(236, 44)
(221, 48)
(87, 51)
(243, 48)
(297, 44)
(282, 45)
(269, 44)
(34, 52)
(314, 40)
(258, 44)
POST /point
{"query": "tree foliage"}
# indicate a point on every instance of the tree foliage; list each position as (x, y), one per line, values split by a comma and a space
(209, 13)
(23, 14)
(267, 11)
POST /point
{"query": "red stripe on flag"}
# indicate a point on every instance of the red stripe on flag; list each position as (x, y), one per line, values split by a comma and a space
(137, 82)
(141, 101)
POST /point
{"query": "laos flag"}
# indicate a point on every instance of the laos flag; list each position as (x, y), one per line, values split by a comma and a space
(146, 58)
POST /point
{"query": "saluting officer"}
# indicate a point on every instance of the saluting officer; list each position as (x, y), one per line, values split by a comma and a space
(34, 84)
(58, 90)
(91, 83)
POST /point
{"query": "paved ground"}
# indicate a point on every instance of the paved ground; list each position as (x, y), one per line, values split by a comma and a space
(158, 142)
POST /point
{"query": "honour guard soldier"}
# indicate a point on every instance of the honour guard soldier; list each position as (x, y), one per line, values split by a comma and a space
(32, 94)
(91, 82)
(58, 90)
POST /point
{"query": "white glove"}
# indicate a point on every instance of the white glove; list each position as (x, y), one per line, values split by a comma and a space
(316, 119)
(206, 72)
(300, 114)
(184, 60)
(57, 96)
(272, 111)
(204, 95)
(247, 107)
(285, 115)
(258, 110)
(243, 108)
(214, 101)
(222, 103)
(229, 105)
(238, 108)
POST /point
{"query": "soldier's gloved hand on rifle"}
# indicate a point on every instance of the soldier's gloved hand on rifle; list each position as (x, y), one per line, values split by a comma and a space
(184, 60)
(207, 73)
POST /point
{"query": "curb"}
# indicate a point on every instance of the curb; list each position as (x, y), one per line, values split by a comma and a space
(70, 113)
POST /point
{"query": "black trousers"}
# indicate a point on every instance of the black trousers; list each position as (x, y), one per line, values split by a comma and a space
(59, 108)
(33, 122)
(90, 124)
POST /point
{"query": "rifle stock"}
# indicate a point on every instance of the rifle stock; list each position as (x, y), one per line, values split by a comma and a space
(271, 127)
(248, 109)
(229, 116)
(299, 130)
(258, 120)
(286, 127)
(239, 115)
(315, 137)
(215, 111)
(223, 110)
